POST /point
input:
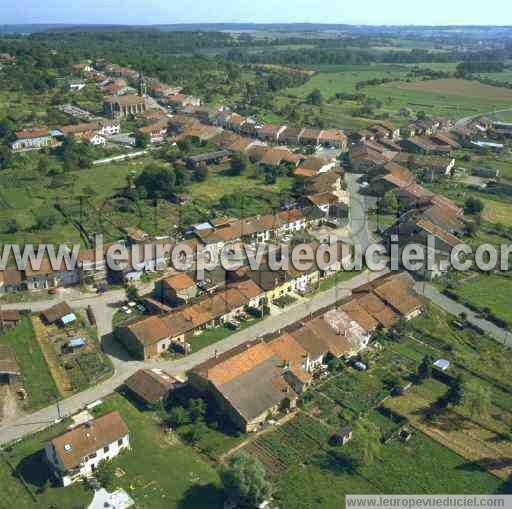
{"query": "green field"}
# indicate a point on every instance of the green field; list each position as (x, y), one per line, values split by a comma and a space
(37, 380)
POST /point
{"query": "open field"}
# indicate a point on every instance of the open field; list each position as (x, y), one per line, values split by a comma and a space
(475, 442)
(37, 379)
(457, 87)
(497, 212)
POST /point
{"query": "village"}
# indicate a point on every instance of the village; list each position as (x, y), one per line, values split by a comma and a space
(324, 375)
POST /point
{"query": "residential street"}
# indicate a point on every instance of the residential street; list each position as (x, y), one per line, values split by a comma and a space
(357, 210)
(454, 308)
(124, 367)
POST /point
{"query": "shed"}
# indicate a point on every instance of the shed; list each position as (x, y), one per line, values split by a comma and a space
(442, 364)
(77, 343)
(60, 312)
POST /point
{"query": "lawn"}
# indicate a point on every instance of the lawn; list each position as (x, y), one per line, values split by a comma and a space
(37, 379)
(493, 291)
(160, 471)
(25, 461)
(211, 336)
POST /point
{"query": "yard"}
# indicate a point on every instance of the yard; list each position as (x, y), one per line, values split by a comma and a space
(159, 471)
(37, 379)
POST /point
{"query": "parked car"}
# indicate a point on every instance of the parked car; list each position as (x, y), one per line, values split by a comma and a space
(360, 366)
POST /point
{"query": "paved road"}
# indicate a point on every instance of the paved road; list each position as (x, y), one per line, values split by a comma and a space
(454, 308)
(463, 122)
(125, 367)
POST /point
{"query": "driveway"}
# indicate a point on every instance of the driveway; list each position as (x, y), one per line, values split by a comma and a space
(454, 308)
(41, 419)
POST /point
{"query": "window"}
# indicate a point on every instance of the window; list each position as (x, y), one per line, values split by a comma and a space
(106, 448)
(120, 442)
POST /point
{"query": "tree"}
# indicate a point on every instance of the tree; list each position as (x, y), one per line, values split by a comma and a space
(178, 416)
(132, 294)
(197, 432)
(245, 481)
(456, 392)
(105, 474)
(45, 220)
(201, 173)
(473, 206)
(157, 181)
(389, 202)
(425, 368)
(239, 164)
(12, 226)
(142, 140)
(315, 97)
(197, 409)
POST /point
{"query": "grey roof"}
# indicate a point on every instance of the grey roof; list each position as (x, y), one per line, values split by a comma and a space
(257, 390)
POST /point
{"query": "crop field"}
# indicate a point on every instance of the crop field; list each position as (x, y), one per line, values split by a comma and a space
(452, 97)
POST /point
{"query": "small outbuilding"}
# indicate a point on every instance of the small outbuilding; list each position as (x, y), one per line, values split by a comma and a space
(151, 386)
(61, 313)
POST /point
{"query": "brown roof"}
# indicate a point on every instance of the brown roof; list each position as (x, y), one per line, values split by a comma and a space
(398, 296)
(332, 135)
(79, 128)
(10, 276)
(32, 133)
(304, 172)
(359, 314)
(378, 309)
(322, 198)
(235, 362)
(75, 445)
(445, 236)
(314, 344)
(150, 385)
(314, 163)
(10, 315)
(57, 312)
(180, 281)
(149, 330)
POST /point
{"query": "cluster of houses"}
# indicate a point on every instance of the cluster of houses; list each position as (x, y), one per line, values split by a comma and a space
(248, 383)
(94, 133)
(252, 381)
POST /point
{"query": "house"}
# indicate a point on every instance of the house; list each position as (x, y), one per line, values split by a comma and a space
(396, 291)
(150, 336)
(216, 157)
(323, 201)
(7, 58)
(181, 100)
(309, 137)
(75, 454)
(290, 136)
(11, 280)
(94, 139)
(363, 158)
(333, 138)
(9, 318)
(10, 372)
(271, 132)
(60, 314)
(33, 139)
(425, 145)
(156, 131)
(151, 386)
(317, 164)
(247, 383)
(177, 289)
(76, 86)
(46, 276)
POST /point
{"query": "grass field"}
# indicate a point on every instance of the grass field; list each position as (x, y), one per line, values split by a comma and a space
(159, 473)
(493, 291)
(497, 212)
(37, 379)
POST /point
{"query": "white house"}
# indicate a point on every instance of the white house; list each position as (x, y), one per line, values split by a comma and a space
(109, 128)
(95, 139)
(76, 86)
(75, 454)
(32, 139)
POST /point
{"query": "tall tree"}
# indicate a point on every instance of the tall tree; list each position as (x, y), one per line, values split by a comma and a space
(245, 481)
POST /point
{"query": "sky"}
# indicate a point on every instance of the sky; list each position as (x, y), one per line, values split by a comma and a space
(371, 12)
